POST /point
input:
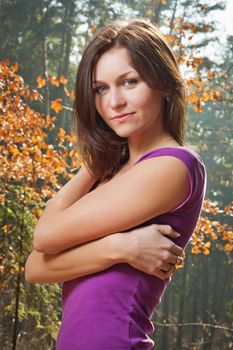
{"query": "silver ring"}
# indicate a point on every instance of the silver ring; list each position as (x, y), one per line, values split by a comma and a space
(179, 260)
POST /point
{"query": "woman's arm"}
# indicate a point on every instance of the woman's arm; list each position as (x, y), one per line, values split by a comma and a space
(145, 249)
(146, 190)
(76, 188)
(75, 262)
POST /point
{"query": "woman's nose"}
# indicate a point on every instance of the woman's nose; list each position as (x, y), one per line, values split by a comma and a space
(117, 98)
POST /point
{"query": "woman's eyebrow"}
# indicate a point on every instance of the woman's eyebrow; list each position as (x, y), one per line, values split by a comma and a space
(118, 78)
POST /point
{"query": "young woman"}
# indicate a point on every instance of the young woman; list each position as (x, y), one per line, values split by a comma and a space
(101, 233)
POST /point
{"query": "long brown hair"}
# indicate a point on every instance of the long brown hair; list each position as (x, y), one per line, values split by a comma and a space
(102, 151)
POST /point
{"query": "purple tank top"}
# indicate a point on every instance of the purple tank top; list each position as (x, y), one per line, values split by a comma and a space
(112, 309)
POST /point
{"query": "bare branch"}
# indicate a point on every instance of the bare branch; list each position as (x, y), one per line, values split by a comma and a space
(203, 325)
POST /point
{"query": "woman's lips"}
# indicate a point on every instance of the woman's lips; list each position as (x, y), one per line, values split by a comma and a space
(123, 116)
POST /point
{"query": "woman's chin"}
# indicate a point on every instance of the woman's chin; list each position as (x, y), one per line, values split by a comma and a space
(125, 133)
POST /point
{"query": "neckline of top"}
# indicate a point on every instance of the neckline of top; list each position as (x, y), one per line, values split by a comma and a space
(158, 149)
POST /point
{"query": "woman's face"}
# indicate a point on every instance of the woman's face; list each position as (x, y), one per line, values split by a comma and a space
(125, 101)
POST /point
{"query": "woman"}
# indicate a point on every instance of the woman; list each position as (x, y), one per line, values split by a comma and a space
(129, 114)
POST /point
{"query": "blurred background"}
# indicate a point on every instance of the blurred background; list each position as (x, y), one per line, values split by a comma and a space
(41, 45)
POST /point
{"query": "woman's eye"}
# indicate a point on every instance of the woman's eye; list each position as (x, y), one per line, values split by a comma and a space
(130, 82)
(100, 89)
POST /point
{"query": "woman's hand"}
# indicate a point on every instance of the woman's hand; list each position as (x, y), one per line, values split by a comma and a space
(152, 252)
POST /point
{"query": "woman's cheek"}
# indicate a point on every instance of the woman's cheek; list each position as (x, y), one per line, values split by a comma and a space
(100, 104)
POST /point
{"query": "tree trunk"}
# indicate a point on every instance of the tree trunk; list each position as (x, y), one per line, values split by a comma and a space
(45, 64)
(182, 296)
(157, 11)
(69, 35)
(165, 331)
(64, 35)
(205, 299)
(218, 306)
(18, 280)
(195, 299)
(16, 313)
(173, 17)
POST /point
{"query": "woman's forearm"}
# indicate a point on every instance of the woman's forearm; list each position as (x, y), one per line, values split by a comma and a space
(76, 262)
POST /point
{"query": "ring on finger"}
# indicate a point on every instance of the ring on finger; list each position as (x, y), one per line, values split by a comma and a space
(179, 260)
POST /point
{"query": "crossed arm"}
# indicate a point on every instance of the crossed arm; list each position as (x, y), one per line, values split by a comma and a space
(145, 248)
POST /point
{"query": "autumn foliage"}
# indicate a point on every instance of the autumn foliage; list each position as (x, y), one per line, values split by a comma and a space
(26, 156)
(201, 88)
(210, 231)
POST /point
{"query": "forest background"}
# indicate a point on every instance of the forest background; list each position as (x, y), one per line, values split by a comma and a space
(41, 45)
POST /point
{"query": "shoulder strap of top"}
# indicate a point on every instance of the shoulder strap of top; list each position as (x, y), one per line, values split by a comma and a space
(187, 155)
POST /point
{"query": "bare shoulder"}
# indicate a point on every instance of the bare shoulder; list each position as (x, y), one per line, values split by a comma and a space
(152, 170)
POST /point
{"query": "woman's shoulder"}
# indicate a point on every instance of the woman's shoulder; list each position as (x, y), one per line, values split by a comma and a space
(188, 156)
(185, 153)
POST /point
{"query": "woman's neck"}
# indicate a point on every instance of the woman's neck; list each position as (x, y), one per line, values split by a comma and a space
(136, 150)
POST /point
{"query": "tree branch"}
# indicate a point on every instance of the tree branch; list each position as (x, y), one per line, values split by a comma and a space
(204, 325)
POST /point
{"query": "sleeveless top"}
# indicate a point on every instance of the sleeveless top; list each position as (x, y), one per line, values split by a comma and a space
(112, 309)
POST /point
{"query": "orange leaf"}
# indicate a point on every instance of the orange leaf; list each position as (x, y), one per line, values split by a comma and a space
(63, 80)
(61, 136)
(54, 80)
(216, 94)
(56, 105)
(205, 96)
(210, 74)
(228, 247)
(61, 132)
(93, 29)
(40, 81)
(206, 251)
(6, 227)
(169, 38)
(72, 152)
(14, 151)
(37, 212)
(15, 67)
(196, 250)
